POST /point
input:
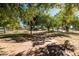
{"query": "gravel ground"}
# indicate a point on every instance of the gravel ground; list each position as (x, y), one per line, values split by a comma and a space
(12, 48)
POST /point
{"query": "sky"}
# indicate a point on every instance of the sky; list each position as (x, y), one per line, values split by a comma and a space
(54, 11)
(21, 24)
(77, 13)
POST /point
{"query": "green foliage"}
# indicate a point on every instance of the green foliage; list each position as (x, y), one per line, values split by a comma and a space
(37, 15)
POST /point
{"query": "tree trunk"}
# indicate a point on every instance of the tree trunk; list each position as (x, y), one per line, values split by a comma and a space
(67, 29)
(4, 29)
(31, 28)
(48, 28)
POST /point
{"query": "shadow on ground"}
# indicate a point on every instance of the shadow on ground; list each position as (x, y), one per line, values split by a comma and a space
(34, 37)
(53, 49)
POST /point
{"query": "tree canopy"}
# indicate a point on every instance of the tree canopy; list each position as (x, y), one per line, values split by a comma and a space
(33, 14)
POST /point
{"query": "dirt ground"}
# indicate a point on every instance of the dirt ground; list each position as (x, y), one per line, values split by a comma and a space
(10, 47)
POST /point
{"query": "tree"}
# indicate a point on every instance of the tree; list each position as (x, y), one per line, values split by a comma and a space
(9, 15)
(68, 12)
(33, 10)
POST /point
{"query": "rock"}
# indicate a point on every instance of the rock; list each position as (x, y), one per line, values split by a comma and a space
(38, 43)
(53, 49)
